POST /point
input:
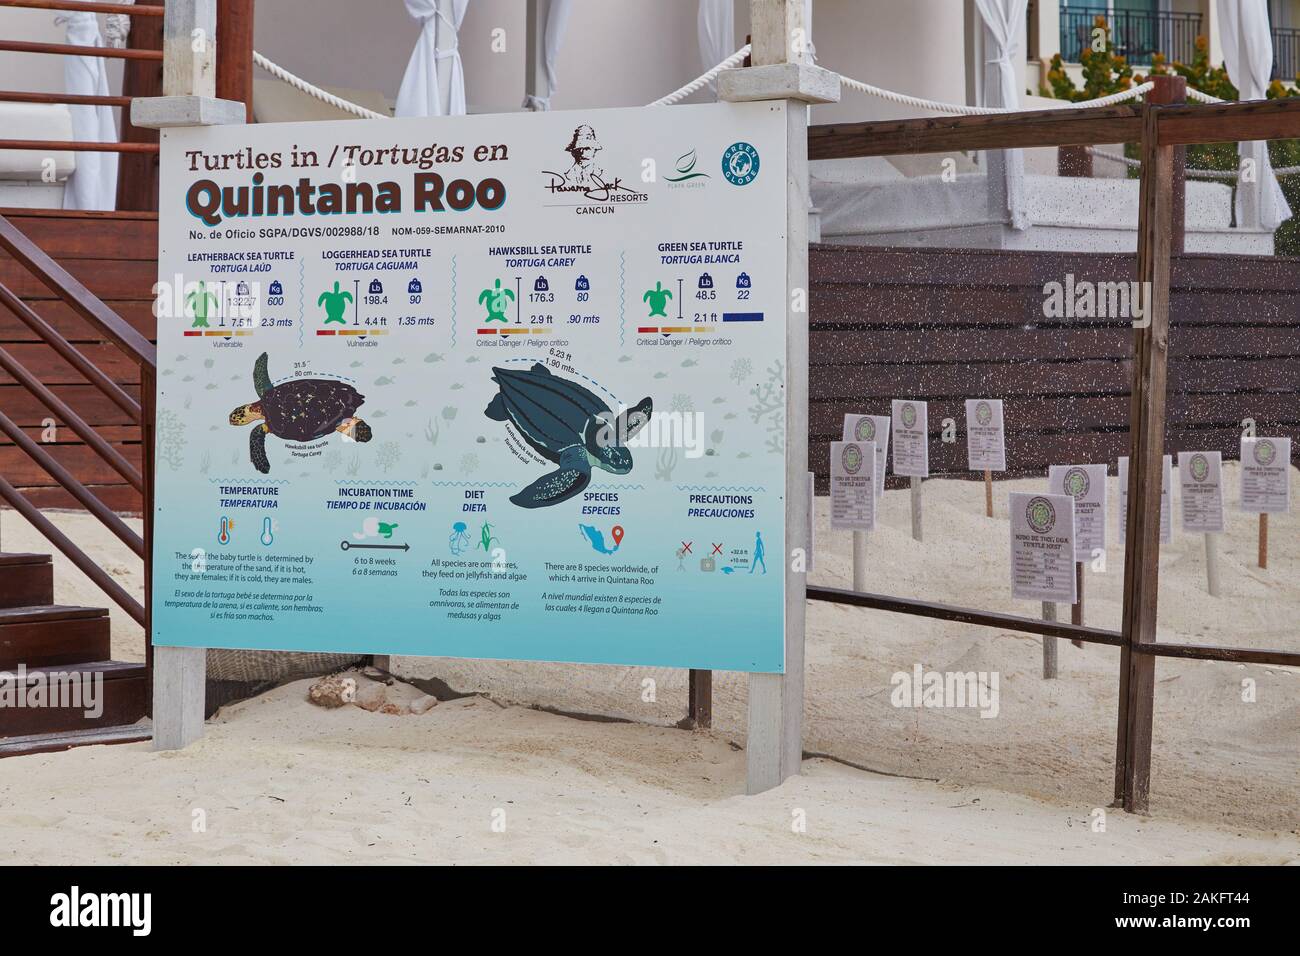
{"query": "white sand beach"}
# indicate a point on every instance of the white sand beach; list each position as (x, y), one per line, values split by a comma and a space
(280, 780)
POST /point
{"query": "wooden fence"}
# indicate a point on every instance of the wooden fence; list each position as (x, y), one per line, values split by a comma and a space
(944, 325)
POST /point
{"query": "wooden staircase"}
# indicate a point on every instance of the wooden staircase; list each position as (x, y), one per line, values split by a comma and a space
(53, 640)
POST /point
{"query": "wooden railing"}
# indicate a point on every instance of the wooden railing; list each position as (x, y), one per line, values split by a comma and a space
(113, 328)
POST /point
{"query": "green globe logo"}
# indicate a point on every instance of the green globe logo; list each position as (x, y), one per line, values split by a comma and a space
(909, 415)
(1076, 483)
(1200, 468)
(1265, 452)
(1041, 515)
(983, 413)
(851, 459)
(864, 430)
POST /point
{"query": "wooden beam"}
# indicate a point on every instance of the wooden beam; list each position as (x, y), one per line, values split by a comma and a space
(699, 708)
(1147, 430)
(137, 175)
(235, 54)
(1230, 122)
(1172, 90)
(942, 134)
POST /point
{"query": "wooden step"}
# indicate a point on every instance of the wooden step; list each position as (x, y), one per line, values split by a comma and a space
(26, 579)
(50, 634)
(116, 689)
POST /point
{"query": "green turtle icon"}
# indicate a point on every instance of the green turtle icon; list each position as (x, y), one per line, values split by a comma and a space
(197, 302)
(497, 300)
(336, 303)
(386, 529)
(658, 298)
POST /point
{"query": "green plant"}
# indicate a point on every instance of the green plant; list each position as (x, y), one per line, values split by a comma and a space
(1104, 72)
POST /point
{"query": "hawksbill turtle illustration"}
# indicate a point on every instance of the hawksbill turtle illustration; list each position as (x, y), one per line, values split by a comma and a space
(567, 424)
(298, 410)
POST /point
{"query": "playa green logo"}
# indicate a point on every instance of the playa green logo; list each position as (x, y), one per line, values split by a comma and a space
(865, 429)
(983, 413)
(1041, 515)
(1200, 467)
(685, 168)
(908, 415)
(1076, 483)
(851, 459)
(1265, 452)
(740, 164)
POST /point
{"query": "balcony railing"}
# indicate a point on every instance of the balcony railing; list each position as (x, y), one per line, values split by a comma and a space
(1136, 33)
(1286, 53)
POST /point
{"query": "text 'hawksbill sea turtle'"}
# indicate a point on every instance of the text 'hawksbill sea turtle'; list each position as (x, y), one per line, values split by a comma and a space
(567, 424)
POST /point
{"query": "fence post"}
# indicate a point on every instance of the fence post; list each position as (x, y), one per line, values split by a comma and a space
(1147, 432)
(189, 99)
(782, 71)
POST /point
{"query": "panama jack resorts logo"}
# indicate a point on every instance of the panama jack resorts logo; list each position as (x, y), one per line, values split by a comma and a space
(1040, 514)
(851, 459)
(586, 177)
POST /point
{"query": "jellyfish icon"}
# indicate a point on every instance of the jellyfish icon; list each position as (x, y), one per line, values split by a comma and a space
(459, 538)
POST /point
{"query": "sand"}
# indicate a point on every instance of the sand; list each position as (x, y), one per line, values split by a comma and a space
(282, 781)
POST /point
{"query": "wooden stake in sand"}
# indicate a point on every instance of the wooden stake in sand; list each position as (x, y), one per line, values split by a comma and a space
(988, 493)
(1076, 609)
(1212, 563)
(1263, 540)
(1265, 482)
(859, 560)
(916, 508)
(1049, 643)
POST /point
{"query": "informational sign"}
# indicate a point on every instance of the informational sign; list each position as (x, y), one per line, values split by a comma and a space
(986, 446)
(1086, 484)
(1200, 482)
(853, 485)
(507, 386)
(1042, 547)
(872, 428)
(1166, 481)
(911, 439)
(1266, 475)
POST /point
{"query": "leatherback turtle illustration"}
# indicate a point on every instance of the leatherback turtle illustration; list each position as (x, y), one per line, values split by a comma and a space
(298, 410)
(567, 424)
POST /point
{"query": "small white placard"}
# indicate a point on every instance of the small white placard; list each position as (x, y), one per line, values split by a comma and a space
(1086, 484)
(874, 428)
(986, 445)
(1200, 480)
(911, 429)
(1266, 475)
(853, 480)
(1042, 547)
(1166, 479)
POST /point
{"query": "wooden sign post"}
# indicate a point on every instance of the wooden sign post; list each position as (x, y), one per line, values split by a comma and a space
(1265, 482)
(782, 70)
(1200, 478)
(189, 99)
(910, 424)
(873, 429)
(986, 446)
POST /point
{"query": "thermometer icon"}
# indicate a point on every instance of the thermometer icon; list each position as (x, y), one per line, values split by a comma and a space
(226, 525)
(267, 536)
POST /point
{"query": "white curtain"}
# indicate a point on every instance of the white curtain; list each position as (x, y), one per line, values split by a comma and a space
(93, 185)
(716, 26)
(434, 83)
(1004, 26)
(1248, 55)
(557, 20)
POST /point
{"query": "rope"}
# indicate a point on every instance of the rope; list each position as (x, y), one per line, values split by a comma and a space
(704, 79)
(1194, 94)
(961, 110)
(299, 83)
(1191, 173)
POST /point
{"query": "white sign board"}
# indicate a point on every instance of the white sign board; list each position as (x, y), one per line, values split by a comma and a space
(1266, 475)
(986, 446)
(1166, 518)
(853, 485)
(911, 439)
(1086, 484)
(872, 428)
(471, 401)
(1200, 482)
(1042, 547)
